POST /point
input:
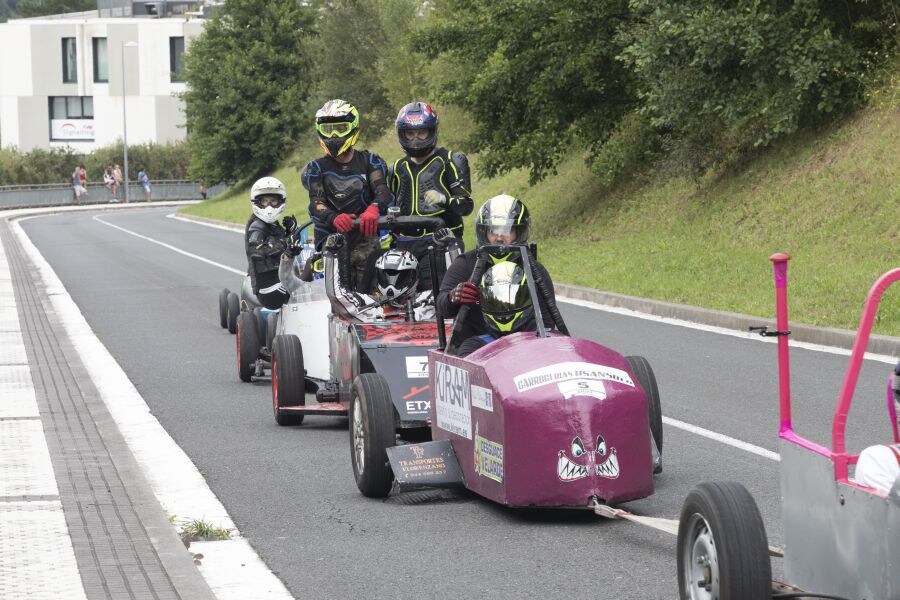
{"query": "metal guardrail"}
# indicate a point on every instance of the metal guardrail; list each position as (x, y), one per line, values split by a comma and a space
(26, 196)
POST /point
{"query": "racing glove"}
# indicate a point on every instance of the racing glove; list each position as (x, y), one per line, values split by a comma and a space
(343, 222)
(290, 224)
(334, 242)
(368, 221)
(465, 293)
(432, 202)
(443, 237)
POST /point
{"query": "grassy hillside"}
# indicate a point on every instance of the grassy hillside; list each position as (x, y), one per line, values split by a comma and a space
(831, 200)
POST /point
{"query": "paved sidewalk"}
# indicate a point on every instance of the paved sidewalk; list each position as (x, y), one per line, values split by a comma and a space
(78, 519)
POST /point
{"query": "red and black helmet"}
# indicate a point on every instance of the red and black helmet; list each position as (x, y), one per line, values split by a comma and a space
(417, 125)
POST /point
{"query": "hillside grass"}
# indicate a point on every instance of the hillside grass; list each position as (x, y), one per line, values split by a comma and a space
(830, 199)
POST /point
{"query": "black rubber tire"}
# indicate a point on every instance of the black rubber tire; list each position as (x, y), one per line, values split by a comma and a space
(223, 308)
(271, 328)
(247, 343)
(232, 310)
(288, 381)
(722, 547)
(260, 323)
(372, 432)
(644, 373)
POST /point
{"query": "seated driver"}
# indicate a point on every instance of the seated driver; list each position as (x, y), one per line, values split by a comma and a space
(396, 275)
(879, 466)
(503, 220)
(264, 240)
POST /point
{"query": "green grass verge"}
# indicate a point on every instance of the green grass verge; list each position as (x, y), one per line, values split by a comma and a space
(830, 199)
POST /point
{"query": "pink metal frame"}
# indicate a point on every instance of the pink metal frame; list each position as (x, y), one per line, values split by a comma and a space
(838, 453)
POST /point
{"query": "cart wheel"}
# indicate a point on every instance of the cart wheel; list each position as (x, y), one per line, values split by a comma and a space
(288, 385)
(641, 369)
(722, 545)
(371, 433)
(232, 309)
(247, 345)
(260, 323)
(223, 308)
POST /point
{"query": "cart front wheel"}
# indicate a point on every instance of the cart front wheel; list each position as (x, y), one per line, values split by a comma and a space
(722, 546)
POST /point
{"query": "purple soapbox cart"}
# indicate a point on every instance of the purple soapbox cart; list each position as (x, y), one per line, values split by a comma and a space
(534, 419)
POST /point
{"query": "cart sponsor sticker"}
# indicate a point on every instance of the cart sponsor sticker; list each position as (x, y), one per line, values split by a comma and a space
(482, 398)
(416, 367)
(581, 387)
(488, 458)
(567, 371)
(451, 397)
(429, 463)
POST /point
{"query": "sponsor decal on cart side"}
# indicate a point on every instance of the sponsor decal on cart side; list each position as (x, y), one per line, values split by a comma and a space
(482, 398)
(417, 367)
(488, 458)
(567, 371)
(451, 397)
(582, 387)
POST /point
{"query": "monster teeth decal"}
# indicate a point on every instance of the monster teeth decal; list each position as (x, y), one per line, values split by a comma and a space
(610, 467)
(569, 471)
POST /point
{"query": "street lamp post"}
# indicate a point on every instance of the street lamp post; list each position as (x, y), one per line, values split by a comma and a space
(125, 116)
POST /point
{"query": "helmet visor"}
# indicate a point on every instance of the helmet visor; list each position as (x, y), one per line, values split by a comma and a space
(335, 129)
(268, 200)
(411, 135)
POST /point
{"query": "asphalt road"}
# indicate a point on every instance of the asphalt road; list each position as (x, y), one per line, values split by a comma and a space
(291, 490)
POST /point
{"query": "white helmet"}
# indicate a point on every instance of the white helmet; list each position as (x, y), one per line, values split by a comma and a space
(261, 194)
(397, 272)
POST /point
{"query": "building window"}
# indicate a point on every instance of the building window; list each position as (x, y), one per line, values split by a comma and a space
(176, 58)
(101, 66)
(71, 118)
(69, 61)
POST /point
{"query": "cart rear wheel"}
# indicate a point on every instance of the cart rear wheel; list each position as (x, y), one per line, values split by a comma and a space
(722, 546)
(232, 310)
(288, 379)
(247, 341)
(223, 308)
(271, 328)
(644, 373)
(372, 432)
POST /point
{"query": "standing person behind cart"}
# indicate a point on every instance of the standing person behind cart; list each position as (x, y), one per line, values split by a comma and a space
(264, 240)
(345, 184)
(502, 222)
(428, 181)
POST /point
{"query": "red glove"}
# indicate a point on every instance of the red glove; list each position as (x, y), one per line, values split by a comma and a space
(465, 293)
(368, 221)
(344, 222)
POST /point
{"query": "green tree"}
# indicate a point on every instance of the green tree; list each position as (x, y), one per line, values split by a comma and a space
(539, 78)
(721, 78)
(248, 79)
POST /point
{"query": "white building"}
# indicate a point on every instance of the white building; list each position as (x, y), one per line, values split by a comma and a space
(63, 79)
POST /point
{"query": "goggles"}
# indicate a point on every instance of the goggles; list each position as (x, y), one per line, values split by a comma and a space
(413, 134)
(336, 129)
(267, 201)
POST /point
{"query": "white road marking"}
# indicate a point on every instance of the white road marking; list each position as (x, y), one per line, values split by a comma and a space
(719, 437)
(746, 335)
(170, 247)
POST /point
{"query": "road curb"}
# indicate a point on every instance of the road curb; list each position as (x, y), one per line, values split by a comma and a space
(825, 336)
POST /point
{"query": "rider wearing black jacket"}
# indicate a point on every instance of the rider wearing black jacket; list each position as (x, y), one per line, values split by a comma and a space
(264, 241)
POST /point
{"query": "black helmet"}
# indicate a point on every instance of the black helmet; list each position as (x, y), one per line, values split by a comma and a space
(397, 275)
(505, 300)
(337, 124)
(502, 215)
(414, 117)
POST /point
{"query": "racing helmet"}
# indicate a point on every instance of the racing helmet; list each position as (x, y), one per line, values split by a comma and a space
(337, 124)
(268, 198)
(397, 275)
(413, 118)
(502, 215)
(505, 300)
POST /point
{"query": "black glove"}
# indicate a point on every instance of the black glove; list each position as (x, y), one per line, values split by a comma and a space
(443, 237)
(293, 250)
(334, 242)
(290, 224)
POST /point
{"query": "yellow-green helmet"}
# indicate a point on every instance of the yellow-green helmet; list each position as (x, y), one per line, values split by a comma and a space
(337, 124)
(505, 300)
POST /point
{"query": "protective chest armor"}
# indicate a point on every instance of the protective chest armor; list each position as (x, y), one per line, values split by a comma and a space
(413, 185)
(346, 193)
(260, 232)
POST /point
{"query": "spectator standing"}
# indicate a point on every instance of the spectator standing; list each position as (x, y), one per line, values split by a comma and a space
(202, 190)
(79, 181)
(109, 180)
(144, 180)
